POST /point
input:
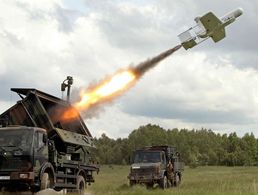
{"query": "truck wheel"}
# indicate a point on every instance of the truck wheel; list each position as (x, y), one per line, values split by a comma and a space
(132, 183)
(149, 185)
(177, 180)
(170, 183)
(46, 182)
(163, 182)
(81, 185)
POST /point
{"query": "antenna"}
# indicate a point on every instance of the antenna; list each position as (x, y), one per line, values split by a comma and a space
(67, 83)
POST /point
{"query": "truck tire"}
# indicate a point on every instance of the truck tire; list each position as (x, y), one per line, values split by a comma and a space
(46, 182)
(149, 185)
(177, 180)
(170, 183)
(163, 183)
(81, 185)
(132, 183)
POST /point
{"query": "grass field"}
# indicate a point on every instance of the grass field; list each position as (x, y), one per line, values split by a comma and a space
(201, 180)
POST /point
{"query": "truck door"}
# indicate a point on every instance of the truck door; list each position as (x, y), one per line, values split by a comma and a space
(40, 149)
(163, 160)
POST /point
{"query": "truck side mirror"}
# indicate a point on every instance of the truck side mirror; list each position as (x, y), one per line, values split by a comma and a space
(44, 138)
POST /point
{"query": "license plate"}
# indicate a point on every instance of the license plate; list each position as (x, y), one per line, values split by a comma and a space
(4, 177)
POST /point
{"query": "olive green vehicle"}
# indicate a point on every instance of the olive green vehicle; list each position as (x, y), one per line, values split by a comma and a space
(156, 165)
(40, 148)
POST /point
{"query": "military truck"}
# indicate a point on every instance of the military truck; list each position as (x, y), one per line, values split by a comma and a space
(40, 148)
(150, 166)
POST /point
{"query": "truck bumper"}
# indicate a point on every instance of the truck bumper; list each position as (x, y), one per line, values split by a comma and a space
(144, 178)
(17, 180)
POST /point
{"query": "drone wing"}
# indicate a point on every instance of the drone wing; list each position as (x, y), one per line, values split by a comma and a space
(213, 26)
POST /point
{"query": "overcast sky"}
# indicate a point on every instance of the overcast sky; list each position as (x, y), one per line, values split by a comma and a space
(212, 86)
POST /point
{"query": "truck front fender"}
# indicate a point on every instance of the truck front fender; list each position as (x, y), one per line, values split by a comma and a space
(47, 168)
(82, 173)
(163, 172)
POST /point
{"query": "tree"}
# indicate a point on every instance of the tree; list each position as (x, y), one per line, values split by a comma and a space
(197, 147)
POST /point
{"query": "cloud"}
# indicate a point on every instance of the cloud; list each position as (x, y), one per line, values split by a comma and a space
(212, 85)
(134, 27)
(66, 19)
(196, 91)
(120, 124)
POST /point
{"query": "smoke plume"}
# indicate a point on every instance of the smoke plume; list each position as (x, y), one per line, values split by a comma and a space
(93, 97)
(145, 66)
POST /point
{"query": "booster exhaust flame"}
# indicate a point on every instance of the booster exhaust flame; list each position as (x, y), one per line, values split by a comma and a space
(114, 86)
(109, 88)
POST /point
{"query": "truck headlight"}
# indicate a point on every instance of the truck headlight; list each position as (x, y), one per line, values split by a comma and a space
(24, 175)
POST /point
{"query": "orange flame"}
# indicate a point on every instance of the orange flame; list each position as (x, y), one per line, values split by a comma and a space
(70, 114)
(103, 92)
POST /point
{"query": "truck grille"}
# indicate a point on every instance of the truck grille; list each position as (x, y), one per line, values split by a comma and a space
(143, 171)
(12, 164)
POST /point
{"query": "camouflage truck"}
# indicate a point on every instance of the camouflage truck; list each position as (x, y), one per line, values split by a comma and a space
(40, 148)
(156, 165)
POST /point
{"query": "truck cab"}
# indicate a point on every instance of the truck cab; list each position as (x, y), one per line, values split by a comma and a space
(148, 167)
(23, 150)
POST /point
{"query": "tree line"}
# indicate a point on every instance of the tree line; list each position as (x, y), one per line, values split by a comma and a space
(197, 147)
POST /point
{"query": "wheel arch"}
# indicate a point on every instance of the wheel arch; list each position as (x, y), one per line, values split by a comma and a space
(164, 173)
(47, 168)
(82, 172)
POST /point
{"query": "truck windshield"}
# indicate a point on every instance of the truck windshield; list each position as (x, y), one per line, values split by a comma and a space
(11, 139)
(147, 157)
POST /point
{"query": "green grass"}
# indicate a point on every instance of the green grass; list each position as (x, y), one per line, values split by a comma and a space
(201, 180)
